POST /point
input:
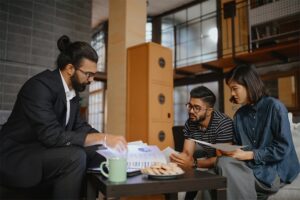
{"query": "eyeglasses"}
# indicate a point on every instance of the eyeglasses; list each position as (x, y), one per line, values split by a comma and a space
(196, 108)
(88, 74)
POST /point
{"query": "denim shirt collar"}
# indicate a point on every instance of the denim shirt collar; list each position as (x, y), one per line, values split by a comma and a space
(255, 107)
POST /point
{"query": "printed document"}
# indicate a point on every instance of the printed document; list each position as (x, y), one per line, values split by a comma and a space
(220, 146)
(139, 155)
(168, 151)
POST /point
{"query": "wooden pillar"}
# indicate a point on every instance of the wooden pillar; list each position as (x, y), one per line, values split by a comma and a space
(127, 24)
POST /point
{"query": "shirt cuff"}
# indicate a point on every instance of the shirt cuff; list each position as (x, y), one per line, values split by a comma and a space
(257, 157)
(78, 139)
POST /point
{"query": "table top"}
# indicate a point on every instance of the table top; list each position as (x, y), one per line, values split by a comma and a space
(191, 180)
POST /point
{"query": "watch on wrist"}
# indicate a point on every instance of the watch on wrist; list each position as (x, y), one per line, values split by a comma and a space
(195, 164)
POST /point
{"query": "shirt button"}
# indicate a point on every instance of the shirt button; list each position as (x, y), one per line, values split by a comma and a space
(254, 117)
(252, 129)
(68, 143)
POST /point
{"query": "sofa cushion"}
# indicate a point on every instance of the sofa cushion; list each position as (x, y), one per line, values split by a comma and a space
(4, 114)
(288, 192)
(291, 191)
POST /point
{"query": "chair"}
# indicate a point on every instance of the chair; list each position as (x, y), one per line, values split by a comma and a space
(178, 137)
(4, 114)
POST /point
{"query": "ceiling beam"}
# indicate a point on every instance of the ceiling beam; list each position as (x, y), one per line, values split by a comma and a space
(239, 61)
(279, 56)
(183, 72)
(201, 78)
(212, 68)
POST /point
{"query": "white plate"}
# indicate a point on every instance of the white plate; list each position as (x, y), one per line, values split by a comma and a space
(163, 177)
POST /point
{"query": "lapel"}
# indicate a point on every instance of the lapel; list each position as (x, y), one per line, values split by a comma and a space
(73, 110)
(61, 102)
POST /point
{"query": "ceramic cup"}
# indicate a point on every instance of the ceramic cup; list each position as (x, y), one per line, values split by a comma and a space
(117, 168)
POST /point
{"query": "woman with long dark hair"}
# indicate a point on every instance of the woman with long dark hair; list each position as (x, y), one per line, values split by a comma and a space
(268, 160)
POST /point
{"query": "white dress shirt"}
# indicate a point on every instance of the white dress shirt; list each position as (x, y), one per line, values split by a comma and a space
(70, 94)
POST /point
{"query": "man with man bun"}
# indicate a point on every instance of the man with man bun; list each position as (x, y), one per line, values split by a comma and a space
(44, 139)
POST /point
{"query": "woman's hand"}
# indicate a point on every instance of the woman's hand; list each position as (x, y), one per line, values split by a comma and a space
(239, 154)
(182, 159)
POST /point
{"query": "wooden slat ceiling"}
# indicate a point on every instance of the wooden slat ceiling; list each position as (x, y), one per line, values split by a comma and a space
(100, 8)
(279, 53)
(276, 53)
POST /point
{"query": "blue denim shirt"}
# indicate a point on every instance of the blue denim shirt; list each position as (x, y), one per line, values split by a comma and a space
(264, 127)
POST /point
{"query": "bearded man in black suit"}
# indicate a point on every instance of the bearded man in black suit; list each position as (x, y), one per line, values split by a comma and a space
(44, 138)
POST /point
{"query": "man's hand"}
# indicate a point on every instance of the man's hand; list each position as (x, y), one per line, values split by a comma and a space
(182, 159)
(116, 142)
(239, 154)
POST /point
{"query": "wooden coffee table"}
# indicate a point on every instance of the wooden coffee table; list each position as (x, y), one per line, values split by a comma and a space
(192, 180)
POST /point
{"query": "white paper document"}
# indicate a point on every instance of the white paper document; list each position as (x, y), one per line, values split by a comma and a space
(144, 156)
(167, 152)
(139, 155)
(221, 146)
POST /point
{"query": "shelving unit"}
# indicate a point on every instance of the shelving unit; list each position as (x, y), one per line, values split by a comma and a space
(150, 95)
(273, 21)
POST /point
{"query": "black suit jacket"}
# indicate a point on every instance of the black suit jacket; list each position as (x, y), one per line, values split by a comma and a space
(37, 122)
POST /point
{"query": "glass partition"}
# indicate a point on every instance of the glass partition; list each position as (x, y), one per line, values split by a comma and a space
(192, 34)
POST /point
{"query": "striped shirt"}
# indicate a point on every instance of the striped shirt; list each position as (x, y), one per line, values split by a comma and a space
(219, 130)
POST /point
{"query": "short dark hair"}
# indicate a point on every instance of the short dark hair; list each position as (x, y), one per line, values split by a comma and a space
(74, 52)
(247, 76)
(204, 94)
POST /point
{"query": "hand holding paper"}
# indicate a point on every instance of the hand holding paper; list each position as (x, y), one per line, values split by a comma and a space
(168, 151)
(239, 154)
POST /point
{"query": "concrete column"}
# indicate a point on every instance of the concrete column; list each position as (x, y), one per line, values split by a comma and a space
(127, 24)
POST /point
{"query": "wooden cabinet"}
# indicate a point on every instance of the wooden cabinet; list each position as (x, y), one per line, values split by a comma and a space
(150, 95)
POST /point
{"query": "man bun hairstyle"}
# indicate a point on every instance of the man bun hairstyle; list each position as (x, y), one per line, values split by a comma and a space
(204, 94)
(63, 43)
(74, 52)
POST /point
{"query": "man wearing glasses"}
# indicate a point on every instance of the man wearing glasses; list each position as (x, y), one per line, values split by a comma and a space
(204, 124)
(42, 143)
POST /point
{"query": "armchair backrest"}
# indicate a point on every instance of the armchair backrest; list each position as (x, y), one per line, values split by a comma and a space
(178, 137)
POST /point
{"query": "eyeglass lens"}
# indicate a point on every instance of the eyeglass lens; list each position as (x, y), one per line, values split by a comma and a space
(88, 74)
(196, 108)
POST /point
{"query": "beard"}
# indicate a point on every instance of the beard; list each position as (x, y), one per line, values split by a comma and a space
(77, 86)
(197, 119)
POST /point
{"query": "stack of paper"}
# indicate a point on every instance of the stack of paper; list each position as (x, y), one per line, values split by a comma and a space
(144, 156)
(141, 155)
